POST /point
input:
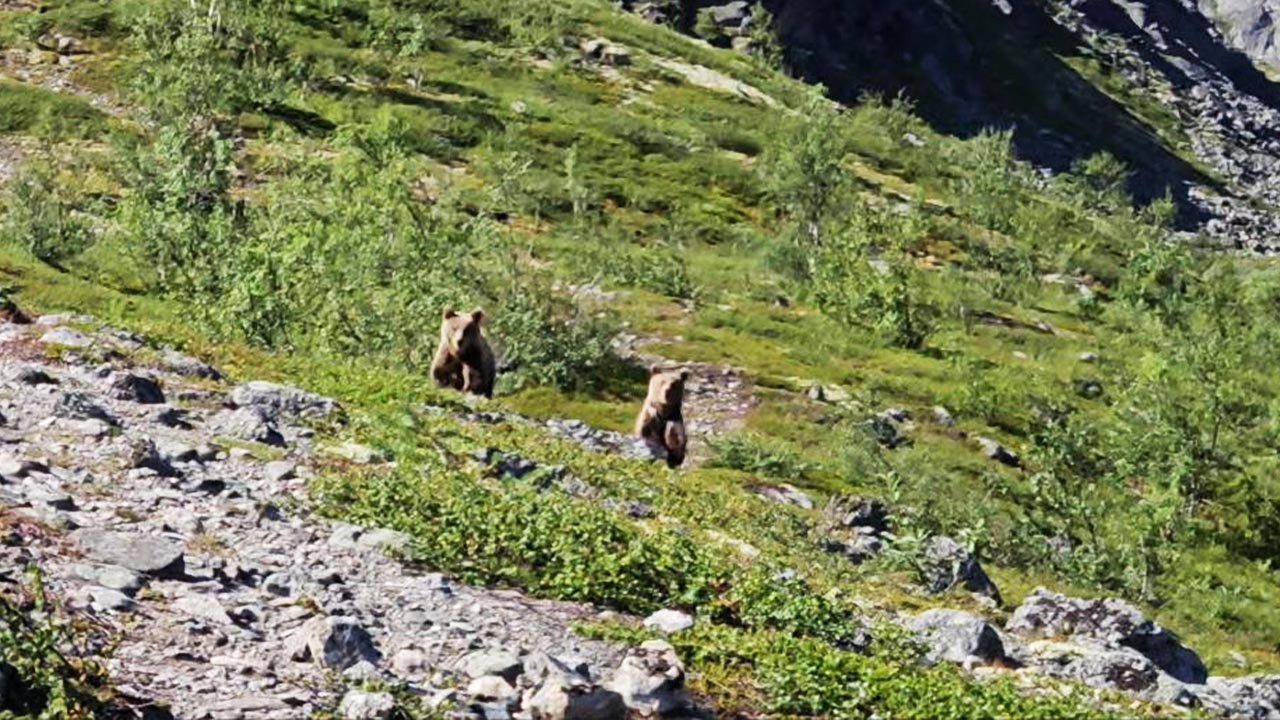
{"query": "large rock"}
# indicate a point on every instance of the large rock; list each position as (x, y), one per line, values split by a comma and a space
(137, 388)
(146, 554)
(1110, 622)
(248, 423)
(1093, 665)
(181, 364)
(948, 564)
(567, 695)
(79, 406)
(284, 401)
(334, 642)
(491, 662)
(1255, 696)
(650, 679)
(956, 636)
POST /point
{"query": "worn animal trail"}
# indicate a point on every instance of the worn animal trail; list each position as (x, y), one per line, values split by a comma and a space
(717, 399)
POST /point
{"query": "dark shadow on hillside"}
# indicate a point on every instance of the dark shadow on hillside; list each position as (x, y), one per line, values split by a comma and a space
(302, 121)
(1187, 49)
(969, 66)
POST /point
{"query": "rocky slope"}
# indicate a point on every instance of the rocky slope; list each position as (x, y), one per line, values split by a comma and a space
(971, 64)
(168, 504)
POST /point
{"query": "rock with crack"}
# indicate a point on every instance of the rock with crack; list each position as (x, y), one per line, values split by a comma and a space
(1110, 622)
(333, 642)
(650, 679)
(147, 554)
(1093, 665)
(956, 636)
(947, 564)
(568, 695)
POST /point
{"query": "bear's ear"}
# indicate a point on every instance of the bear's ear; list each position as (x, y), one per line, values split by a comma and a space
(684, 374)
(654, 370)
(477, 315)
(450, 313)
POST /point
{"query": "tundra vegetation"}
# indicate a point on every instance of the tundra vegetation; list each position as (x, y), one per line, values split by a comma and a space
(297, 188)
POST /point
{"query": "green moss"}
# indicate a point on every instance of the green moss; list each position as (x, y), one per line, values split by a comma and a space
(47, 115)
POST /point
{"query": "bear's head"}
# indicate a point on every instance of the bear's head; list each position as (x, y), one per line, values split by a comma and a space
(667, 385)
(460, 330)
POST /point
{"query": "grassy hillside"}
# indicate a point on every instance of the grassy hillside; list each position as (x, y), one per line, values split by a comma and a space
(296, 189)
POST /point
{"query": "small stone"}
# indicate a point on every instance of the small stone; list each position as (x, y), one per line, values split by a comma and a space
(361, 705)
(409, 662)
(1088, 357)
(280, 470)
(202, 607)
(106, 599)
(669, 621)
(181, 364)
(277, 400)
(999, 453)
(942, 416)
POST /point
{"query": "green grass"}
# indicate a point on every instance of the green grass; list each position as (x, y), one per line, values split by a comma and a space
(47, 115)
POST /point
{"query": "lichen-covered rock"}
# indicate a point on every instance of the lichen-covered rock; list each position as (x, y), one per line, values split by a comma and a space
(1111, 622)
(651, 679)
(956, 636)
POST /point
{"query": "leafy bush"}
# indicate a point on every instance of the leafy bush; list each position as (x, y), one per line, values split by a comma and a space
(41, 218)
(41, 660)
(754, 453)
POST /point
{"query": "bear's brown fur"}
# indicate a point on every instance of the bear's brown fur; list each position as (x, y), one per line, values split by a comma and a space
(464, 361)
(661, 419)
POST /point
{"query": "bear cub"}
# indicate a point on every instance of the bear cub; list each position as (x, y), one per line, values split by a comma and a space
(661, 420)
(464, 361)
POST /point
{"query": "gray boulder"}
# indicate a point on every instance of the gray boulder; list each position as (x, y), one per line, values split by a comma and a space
(947, 564)
(361, 705)
(137, 388)
(334, 642)
(181, 364)
(650, 679)
(1111, 622)
(491, 662)
(146, 554)
(66, 337)
(956, 636)
(249, 423)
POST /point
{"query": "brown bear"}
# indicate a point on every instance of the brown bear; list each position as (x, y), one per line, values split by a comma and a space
(661, 421)
(464, 361)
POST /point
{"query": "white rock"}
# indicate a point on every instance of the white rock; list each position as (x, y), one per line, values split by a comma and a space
(669, 621)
